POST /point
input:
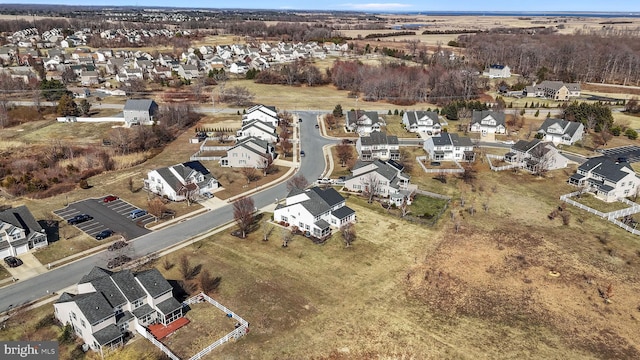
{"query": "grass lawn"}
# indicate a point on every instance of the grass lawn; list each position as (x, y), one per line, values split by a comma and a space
(4, 273)
(426, 206)
(234, 181)
(595, 203)
(338, 169)
(395, 127)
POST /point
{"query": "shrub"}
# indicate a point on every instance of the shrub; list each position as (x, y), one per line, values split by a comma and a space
(84, 184)
(631, 134)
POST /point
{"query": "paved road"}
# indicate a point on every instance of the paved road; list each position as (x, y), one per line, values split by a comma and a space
(34, 288)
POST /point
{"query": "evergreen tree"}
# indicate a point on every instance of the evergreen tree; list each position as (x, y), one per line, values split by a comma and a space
(67, 107)
(337, 111)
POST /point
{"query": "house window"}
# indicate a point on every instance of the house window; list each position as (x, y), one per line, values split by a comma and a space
(84, 325)
(301, 225)
(284, 218)
(306, 227)
(73, 315)
(136, 304)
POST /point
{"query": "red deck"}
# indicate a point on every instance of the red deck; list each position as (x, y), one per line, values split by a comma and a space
(160, 331)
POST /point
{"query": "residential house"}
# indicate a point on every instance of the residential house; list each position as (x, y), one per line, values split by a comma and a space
(314, 211)
(561, 131)
(266, 114)
(250, 152)
(188, 71)
(127, 74)
(554, 90)
(497, 71)
(19, 232)
(88, 78)
(182, 181)
(488, 122)
(422, 121)
(378, 145)
(384, 178)
(363, 122)
(109, 305)
(449, 147)
(606, 179)
(140, 111)
(536, 156)
(239, 67)
(258, 129)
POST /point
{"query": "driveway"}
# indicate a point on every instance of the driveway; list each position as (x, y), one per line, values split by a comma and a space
(30, 267)
(113, 215)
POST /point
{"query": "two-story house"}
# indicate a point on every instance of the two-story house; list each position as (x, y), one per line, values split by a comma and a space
(561, 131)
(363, 122)
(606, 179)
(378, 145)
(266, 114)
(536, 156)
(422, 121)
(258, 129)
(488, 122)
(179, 181)
(314, 210)
(19, 232)
(495, 71)
(139, 111)
(554, 90)
(108, 305)
(249, 152)
(188, 71)
(449, 147)
(384, 178)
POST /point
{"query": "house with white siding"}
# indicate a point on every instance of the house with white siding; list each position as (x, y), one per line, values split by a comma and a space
(108, 305)
(608, 180)
(363, 122)
(488, 122)
(267, 114)
(378, 145)
(250, 152)
(19, 232)
(495, 71)
(384, 177)
(258, 129)
(179, 181)
(449, 147)
(315, 211)
(536, 156)
(422, 122)
(561, 131)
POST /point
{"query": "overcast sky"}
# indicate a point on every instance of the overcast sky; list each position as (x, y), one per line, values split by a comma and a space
(400, 5)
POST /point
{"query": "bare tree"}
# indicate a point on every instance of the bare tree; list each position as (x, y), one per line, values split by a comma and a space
(156, 207)
(344, 153)
(371, 186)
(250, 173)
(267, 229)
(243, 214)
(266, 164)
(208, 283)
(348, 232)
(330, 120)
(286, 237)
(298, 181)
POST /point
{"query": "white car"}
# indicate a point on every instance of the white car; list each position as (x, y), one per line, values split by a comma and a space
(325, 181)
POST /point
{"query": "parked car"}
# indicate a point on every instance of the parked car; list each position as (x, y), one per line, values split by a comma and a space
(118, 261)
(301, 153)
(300, 120)
(207, 195)
(134, 214)
(104, 234)
(117, 245)
(79, 219)
(317, 126)
(623, 160)
(435, 163)
(325, 181)
(342, 179)
(12, 261)
(109, 199)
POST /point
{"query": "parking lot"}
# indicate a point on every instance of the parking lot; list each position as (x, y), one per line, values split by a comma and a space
(112, 215)
(630, 152)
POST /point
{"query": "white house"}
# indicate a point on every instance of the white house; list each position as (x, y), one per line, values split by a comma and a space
(363, 122)
(19, 232)
(497, 71)
(267, 114)
(314, 210)
(378, 145)
(561, 131)
(239, 67)
(536, 156)
(488, 122)
(606, 179)
(449, 147)
(180, 181)
(110, 304)
(422, 121)
(384, 178)
(250, 152)
(139, 111)
(258, 129)
(188, 71)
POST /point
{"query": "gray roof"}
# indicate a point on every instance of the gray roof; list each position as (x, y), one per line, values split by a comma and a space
(185, 170)
(139, 104)
(245, 144)
(343, 212)
(107, 335)
(352, 117)
(328, 195)
(606, 168)
(153, 282)
(110, 291)
(379, 138)
(320, 200)
(457, 140)
(322, 224)
(479, 115)
(525, 146)
(22, 218)
(168, 306)
(93, 306)
(128, 285)
(570, 127)
(414, 116)
(142, 311)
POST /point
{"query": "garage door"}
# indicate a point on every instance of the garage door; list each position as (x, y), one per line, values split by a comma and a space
(22, 249)
(5, 252)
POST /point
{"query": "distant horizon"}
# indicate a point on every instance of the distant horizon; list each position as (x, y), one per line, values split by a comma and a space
(542, 7)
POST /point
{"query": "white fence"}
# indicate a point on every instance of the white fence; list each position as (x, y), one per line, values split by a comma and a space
(143, 331)
(422, 159)
(197, 156)
(240, 331)
(611, 216)
(504, 167)
(91, 120)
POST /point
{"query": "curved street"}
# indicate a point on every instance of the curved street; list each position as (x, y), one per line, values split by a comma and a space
(311, 166)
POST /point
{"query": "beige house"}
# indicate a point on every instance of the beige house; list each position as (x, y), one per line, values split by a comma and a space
(250, 152)
(553, 90)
